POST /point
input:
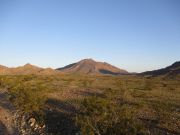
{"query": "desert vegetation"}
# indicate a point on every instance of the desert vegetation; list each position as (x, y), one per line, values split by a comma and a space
(97, 105)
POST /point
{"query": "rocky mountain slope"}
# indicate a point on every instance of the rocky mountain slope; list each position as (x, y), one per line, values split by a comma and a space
(174, 69)
(89, 66)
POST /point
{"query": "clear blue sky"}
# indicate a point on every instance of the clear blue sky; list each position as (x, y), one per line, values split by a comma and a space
(136, 35)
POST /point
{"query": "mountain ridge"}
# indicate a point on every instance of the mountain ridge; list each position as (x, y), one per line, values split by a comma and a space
(173, 69)
(90, 66)
(87, 66)
(26, 70)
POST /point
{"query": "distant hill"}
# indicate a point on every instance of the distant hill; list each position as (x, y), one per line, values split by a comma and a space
(3, 69)
(27, 69)
(174, 69)
(89, 66)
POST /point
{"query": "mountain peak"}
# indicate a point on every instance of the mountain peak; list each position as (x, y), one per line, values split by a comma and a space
(90, 66)
(88, 60)
(28, 65)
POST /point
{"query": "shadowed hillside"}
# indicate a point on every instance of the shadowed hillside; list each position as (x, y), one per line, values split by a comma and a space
(174, 69)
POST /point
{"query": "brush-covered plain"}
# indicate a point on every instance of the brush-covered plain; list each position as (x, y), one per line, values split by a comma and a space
(98, 105)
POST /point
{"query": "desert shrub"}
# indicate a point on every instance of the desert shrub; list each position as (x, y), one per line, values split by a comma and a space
(100, 116)
(1, 82)
(27, 93)
(28, 100)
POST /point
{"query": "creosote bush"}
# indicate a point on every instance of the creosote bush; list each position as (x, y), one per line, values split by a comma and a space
(29, 99)
(100, 116)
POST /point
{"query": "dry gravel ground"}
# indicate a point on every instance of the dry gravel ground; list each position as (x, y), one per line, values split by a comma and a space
(6, 115)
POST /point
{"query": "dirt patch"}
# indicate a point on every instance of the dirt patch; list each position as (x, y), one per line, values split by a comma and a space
(6, 115)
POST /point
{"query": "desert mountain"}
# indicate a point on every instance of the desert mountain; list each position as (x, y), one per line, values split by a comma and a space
(27, 69)
(3, 69)
(89, 66)
(174, 69)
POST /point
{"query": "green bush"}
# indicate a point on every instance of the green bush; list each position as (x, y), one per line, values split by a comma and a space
(100, 116)
(28, 100)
